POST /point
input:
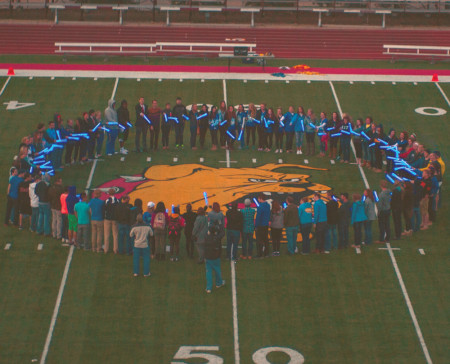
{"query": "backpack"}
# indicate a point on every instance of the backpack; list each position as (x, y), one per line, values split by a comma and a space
(160, 221)
(174, 226)
(213, 243)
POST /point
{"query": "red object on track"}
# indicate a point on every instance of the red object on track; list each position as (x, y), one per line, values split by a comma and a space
(435, 78)
(10, 72)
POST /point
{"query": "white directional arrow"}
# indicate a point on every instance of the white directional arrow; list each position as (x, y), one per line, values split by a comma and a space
(15, 105)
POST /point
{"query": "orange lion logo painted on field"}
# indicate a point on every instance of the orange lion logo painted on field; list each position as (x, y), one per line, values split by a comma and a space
(186, 183)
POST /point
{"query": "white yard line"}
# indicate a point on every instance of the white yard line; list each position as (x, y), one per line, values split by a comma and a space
(391, 254)
(408, 303)
(237, 355)
(115, 88)
(440, 89)
(8, 246)
(57, 306)
(91, 175)
(4, 85)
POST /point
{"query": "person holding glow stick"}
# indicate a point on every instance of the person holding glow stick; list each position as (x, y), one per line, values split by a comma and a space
(215, 119)
(241, 117)
(179, 113)
(250, 125)
(111, 117)
(203, 124)
(141, 110)
(123, 117)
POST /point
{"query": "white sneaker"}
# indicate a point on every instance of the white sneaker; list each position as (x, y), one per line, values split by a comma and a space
(300, 152)
(281, 151)
(276, 151)
(123, 151)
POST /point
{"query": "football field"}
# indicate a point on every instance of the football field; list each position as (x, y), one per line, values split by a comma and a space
(385, 304)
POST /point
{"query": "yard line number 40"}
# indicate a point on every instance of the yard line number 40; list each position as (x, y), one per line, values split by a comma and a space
(259, 356)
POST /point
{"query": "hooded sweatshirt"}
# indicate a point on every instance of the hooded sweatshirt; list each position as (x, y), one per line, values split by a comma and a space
(110, 113)
(71, 200)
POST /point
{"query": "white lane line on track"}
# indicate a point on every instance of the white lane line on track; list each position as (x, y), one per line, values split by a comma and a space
(57, 306)
(440, 89)
(115, 88)
(237, 356)
(4, 86)
(394, 261)
(409, 304)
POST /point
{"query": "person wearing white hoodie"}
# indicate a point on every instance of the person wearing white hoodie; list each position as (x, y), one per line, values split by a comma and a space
(34, 202)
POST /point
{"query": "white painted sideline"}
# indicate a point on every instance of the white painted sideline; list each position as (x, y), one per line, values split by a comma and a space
(237, 356)
(57, 305)
(441, 90)
(4, 86)
(115, 88)
(408, 303)
(221, 76)
(394, 262)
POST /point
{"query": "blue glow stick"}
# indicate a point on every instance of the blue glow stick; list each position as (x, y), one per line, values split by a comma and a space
(335, 198)
(147, 119)
(96, 127)
(57, 146)
(121, 126)
(231, 135)
(255, 201)
(165, 117)
(284, 205)
(172, 208)
(335, 135)
(223, 122)
(365, 135)
(115, 122)
(389, 178)
(58, 133)
(412, 172)
(375, 196)
(105, 129)
(129, 124)
(281, 123)
(345, 132)
(61, 141)
(202, 116)
(395, 176)
(330, 129)
(205, 195)
(372, 145)
(31, 169)
(364, 198)
(240, 134)
(257, 121)
(391, 158)
(383, 141)
(186, 117)
(320, 134)
(73, 138)
(312, 125)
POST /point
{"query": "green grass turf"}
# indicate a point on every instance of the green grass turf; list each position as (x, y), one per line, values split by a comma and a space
(341, 308)
(18, 58)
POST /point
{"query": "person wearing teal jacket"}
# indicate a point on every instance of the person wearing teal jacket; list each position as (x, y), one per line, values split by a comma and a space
(299, 127)
(306, 220)
(320, 222)
(358, 218)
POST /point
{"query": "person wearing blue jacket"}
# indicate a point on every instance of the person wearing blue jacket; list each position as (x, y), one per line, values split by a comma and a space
(320, 223)
(299, 128)
(269, 126)
(262, 226)
(279, 131)
(306, 221)
(358, 218)
(241, 119)
(289, 127)
(50, 139)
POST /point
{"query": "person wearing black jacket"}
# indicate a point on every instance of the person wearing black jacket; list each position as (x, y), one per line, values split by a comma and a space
(344, 215)
(123, 118)
(179, 112)
(213, 249)
(154, 114)
(235, 223)
(84, 128)
(332, 221)
(189, 217)
(396, 209)
(110, 222)
(55, 193)
(141, 125)
(91, 122)
(166, 125)
(123, 217)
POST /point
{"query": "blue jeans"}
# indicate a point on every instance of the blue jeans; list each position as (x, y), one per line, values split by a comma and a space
(331, 235)
(124, 239)
(145, 254)
(101, 137)
(291, 236)
(305, 229)
(213, 265)
(416, 219)
(298, 139)
(44, 218)
(34, 218)
(111, 141)
(247, 250)
(232, 243)
(368, 232)
(365, 150)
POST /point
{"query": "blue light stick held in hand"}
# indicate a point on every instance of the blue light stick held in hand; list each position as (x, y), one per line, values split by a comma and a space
(205, 195)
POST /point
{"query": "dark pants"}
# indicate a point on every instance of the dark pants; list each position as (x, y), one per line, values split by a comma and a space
(12, 203)
(223, 135)
(91, 146)
(214, 137)
(83, 149)
(189, 243)
(262, 142)
(407, 216)
(251, 131)
(193, 138)
(378, 159)
(202, 136)
(165, 134)
(384, 225)
(321, 230)
(69, 151)
(269, 140)
(357, 227)
(310, 143)
(343, 234)
(397, 217)
(279, 140)
(289, 139)
(179, 129)
(275, 234)
(305, 229)
(154, 135)
(76, 151)
(345, 144)
(141, 132)
(262, 241)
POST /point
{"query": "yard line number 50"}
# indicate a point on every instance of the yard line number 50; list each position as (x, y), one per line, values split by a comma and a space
(259, 356)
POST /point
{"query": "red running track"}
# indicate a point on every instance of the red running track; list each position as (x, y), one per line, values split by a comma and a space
(218, 69)
(282, 42)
